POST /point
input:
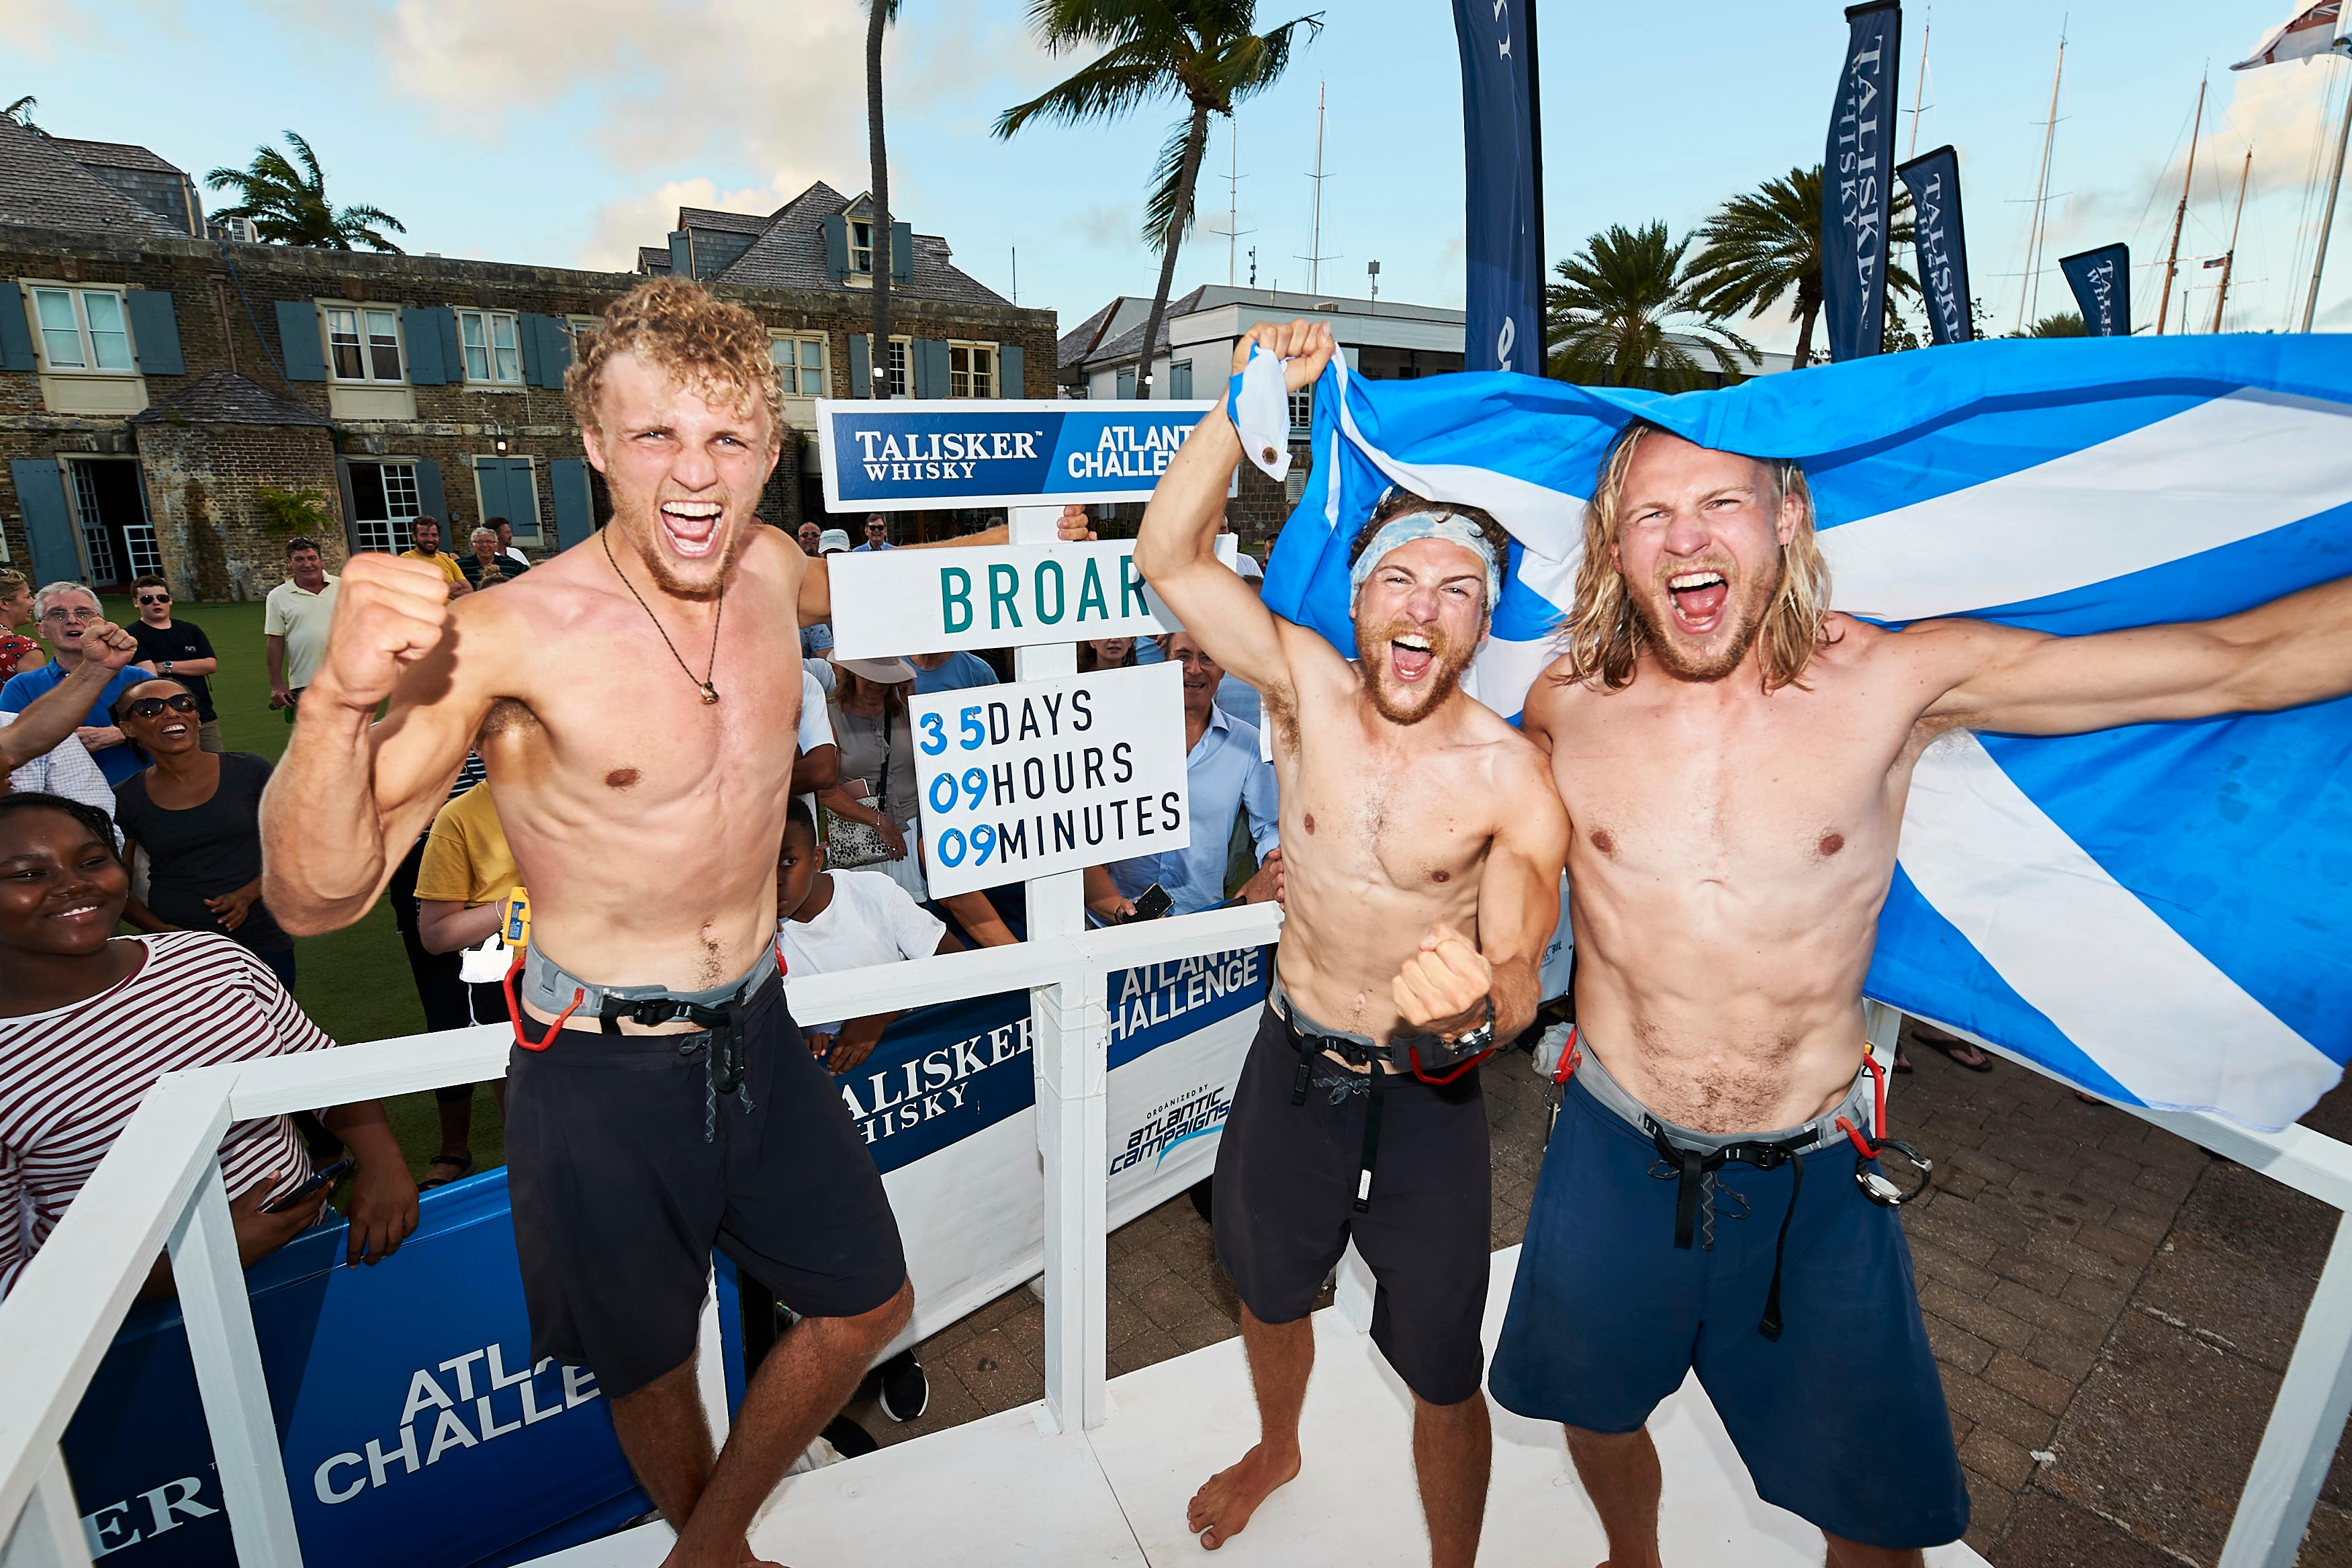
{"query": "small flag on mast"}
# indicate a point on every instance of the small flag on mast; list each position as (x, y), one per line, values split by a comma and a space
(2311, 31)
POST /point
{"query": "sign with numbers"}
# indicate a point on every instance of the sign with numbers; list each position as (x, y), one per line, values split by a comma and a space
(1040, 776)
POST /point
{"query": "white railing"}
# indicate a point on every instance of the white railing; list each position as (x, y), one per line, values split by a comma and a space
(160, 1187)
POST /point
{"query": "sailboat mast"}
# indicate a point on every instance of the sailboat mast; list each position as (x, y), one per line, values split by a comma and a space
(2343, 50)
(2181, 216)
(2230, 259)
(1315, 262)
(2030, 294)
(1919, 97)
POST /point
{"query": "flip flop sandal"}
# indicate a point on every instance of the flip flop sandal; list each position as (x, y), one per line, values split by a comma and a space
(1983, 1063)
(463, 1165)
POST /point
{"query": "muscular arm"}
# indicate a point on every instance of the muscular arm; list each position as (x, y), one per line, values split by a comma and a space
(819, 768)
(352, 793)
(815, 601)
(273, 654)
(2293, 650)
(1518, 897)
(1175, 549)
(53, 716)
(446, 925)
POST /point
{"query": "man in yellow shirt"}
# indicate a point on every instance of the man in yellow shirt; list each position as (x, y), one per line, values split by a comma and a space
(425, 535)
(462, 884)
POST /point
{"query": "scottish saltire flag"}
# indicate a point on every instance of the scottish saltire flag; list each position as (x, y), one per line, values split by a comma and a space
(2161, 914)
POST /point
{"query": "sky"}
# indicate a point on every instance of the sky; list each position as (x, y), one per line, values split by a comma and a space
(566, 132)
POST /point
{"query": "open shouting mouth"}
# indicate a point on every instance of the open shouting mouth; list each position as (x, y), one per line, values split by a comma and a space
(1411, 657)
(1698, 599)
(692, 526)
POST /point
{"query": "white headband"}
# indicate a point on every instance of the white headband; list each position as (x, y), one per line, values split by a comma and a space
(1451, 527)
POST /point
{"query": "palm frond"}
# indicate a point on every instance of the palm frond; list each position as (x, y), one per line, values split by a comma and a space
(1167, 184)
(1257, 61)
(1120, 81)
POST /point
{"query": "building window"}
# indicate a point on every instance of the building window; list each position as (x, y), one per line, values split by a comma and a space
(861, 247)
(363, 345)
(384, 502)
(582, 331)
(899, 349)
(84, 330)
(1179, 379)
(111, 505)
(1302, 411)
(971, 369)
(493, 353)
(799, 362)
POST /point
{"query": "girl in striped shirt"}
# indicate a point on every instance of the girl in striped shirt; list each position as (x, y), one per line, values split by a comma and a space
(89, 1021)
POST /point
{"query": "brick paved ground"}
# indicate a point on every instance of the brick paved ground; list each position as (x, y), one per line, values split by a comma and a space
(2097, 1292)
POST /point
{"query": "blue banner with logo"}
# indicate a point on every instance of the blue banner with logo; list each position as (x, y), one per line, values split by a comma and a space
(1502, 126)
(904, 454)
(1934, 181)
(1858, 183)
(2101, 280)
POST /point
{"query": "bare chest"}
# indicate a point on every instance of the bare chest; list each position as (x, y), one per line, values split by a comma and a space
(1353, 818)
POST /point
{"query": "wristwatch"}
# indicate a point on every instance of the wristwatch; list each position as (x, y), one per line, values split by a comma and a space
(163, 667)
(1479, 1037)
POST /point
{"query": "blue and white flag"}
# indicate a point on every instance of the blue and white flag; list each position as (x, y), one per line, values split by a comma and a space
(2159, 914)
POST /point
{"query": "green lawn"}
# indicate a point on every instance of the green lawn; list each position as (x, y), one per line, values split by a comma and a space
(355, 982)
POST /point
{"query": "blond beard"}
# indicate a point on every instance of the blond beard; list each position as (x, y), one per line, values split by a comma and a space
(649, 555)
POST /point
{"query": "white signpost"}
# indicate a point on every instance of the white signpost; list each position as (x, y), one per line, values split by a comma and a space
(900, 456)
(1024, 781)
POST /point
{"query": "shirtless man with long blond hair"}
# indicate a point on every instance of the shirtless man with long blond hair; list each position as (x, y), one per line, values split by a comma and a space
(1735, 756)
(660, 1098)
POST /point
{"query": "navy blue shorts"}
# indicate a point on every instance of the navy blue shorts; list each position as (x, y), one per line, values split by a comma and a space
(1840, 1421)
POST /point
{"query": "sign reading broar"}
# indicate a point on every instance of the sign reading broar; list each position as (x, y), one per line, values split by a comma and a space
(1050, 776)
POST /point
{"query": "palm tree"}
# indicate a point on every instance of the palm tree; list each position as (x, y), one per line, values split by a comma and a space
(290, 207)
(21, 112)
(1206, 51)
(1622, 315)
(2065, 324)
(879, 15)
(1765, 246)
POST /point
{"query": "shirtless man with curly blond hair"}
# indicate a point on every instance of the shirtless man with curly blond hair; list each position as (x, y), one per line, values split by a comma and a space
(660, 1100)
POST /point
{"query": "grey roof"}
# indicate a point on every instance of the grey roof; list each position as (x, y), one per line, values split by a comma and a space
(223, 397)
(1076, 352)
(1129, 343)
(731, 223)
(789, 254)
(43, 187)
(1079, 342)
(653, 259)
(113, 155)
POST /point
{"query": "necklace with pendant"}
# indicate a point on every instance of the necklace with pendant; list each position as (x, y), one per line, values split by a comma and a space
(710, 692)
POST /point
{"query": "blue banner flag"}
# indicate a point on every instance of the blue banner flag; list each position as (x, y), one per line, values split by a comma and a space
(1857, 183)
(1934, 181)
(2101, 280)
(903, 454)
(2155, 912)
(1503, 185)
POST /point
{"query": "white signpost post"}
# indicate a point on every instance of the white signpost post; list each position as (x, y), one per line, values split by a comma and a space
(1030, 457)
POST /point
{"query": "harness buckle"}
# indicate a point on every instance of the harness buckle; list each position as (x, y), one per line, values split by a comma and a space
(1880, 1188)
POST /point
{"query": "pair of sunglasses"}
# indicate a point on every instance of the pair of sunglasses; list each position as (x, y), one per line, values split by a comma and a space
(154, 598)
(148, 707)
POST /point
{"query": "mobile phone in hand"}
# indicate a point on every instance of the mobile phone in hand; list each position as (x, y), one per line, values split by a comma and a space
(1150, 904)
(320, 1181)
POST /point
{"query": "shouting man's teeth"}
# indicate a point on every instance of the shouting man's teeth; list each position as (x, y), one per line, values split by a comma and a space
(1694, 579)
(692, 525)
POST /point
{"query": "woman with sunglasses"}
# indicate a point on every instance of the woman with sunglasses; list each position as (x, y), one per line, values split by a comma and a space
(198, 814)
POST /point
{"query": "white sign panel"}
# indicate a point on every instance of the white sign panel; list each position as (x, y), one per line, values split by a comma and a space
(1025, 780)
(890, 602)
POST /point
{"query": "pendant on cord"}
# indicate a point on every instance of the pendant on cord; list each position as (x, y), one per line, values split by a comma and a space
(709, 695)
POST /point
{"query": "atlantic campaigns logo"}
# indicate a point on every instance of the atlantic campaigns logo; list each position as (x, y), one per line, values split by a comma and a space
(1196, 1113)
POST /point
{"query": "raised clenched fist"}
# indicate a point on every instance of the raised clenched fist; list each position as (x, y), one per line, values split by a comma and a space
(389, 612)
(1075, 527)
(110, 644)
(1443, 988)
(1304, 347)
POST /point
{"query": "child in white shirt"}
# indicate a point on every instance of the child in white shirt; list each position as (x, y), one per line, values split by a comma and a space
(830, 920)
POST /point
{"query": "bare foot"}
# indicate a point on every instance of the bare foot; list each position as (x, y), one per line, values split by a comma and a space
(1225, 1501)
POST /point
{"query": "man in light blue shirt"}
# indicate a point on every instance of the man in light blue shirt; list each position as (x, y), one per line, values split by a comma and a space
(877, 535)
(1227, 781)
(949, 671)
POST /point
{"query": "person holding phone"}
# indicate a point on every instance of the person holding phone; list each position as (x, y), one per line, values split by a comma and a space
(89, 1021)
(1231, 787)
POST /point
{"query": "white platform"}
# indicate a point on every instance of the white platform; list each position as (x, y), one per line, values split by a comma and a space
(997, 1491)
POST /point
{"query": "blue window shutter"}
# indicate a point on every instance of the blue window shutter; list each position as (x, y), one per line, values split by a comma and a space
(351, 506)
(836, 248)
(527, 328)
(902, 252)
(554, 351)
(681, 254)
(15, 337)
(154, 332)
(574, 511)
(931, 366)
(1179, 379)
(48, 525)
(431, 498)
(1008, 370)
(490, 485)
(297, 340)
(861, 366)
(421, 333)
(1126, 382)
(453, 361)
(522, 493)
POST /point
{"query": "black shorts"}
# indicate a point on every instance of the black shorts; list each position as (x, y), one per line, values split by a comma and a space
(1286, 1195)
(618, 1200)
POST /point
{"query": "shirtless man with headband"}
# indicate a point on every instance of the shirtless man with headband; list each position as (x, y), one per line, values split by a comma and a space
(1734, 759)
(1421, 849)
(659, 1097)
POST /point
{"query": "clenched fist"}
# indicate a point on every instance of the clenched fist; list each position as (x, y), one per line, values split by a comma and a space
(390, 613)
(1443, 988)
(110, 644)
(1304, 347)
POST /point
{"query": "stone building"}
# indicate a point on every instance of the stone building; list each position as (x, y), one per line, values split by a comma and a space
(163, 394)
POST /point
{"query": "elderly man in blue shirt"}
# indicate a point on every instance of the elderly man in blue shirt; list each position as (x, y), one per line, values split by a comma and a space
(1229, 782)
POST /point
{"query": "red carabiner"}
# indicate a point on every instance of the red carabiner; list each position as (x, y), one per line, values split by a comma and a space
(514, 1007)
